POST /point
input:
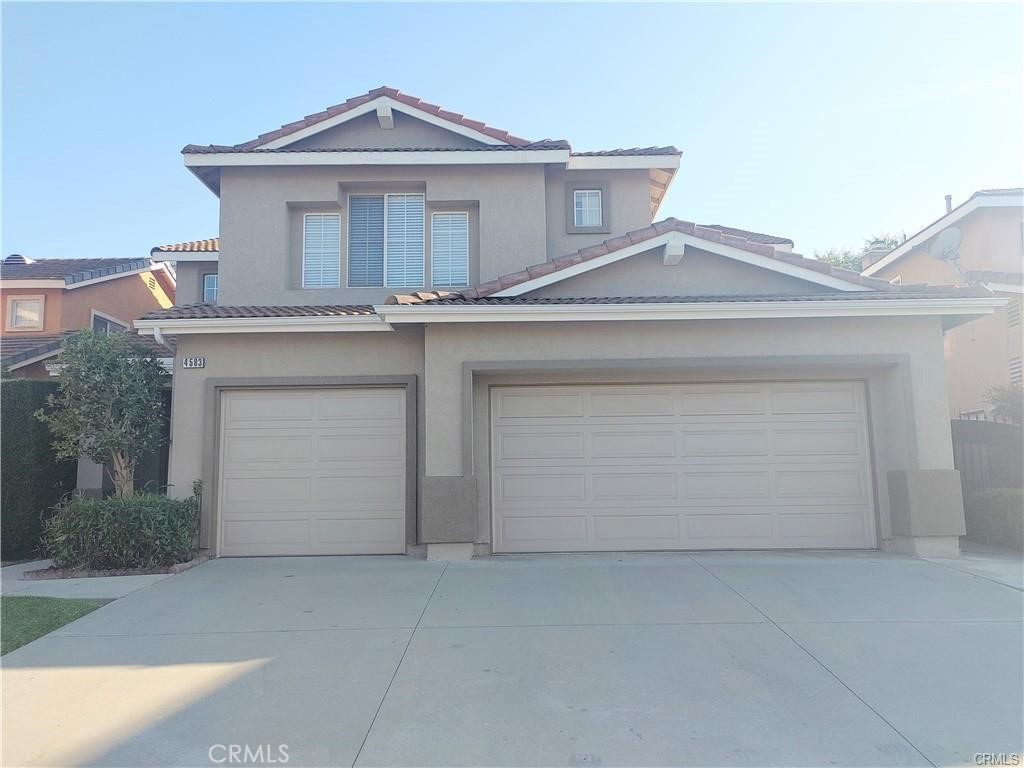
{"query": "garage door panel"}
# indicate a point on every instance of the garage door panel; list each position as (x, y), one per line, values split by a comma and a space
(723, 466)
(331, 482)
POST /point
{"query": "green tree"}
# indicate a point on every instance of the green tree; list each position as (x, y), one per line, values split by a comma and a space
(109, 404)
(1007, 403)
(848, 258)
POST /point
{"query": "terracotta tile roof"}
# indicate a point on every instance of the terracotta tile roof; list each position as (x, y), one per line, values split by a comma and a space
(657, 229)
(505, 301)
(394, 93)
(210, 245)
(754, 237)
(631, 152)
(212, 311)
(18, 350)
(71, 270)
(209, 149)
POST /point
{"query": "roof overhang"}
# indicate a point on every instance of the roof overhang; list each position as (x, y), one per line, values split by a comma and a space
(51, 352)
(61, 283)
(326, 324)
(413, 157)
(962, 210)
(955, 310)
(182, 256)
(674, 244)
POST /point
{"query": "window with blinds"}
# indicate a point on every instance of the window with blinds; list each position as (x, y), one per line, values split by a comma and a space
(449, 250)
(321, 250)
(1013, 313)
(386, 240)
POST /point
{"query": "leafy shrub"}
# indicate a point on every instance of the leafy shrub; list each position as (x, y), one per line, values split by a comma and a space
(141, 531)
(996, 517)
(34, 479)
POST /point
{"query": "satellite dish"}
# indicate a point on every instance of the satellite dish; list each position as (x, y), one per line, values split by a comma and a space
(946, 246)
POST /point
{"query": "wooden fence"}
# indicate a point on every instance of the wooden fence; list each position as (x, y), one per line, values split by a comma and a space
(988, 454)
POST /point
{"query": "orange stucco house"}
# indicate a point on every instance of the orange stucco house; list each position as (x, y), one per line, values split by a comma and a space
(44, 300)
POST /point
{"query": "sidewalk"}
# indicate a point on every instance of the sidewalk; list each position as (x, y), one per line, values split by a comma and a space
(98, 588)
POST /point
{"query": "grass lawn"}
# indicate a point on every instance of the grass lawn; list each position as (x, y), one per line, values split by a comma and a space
(23, 619)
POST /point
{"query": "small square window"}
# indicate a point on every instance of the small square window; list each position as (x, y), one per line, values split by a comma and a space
(25, 313)
(587, 208)
(210, 288)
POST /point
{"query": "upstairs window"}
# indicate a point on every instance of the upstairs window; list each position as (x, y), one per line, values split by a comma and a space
(210, 288)
(106, 324)
(386, 241)
(449, 250)
(25, 313)
(1013, 313)
(321, 251)
(587, 208)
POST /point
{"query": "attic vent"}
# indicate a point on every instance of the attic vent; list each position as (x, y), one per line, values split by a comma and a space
(17, 258)
(151, 282)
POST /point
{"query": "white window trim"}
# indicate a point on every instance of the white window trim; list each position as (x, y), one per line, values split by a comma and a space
(468, 249)
(316, 287)
(41, 298)
(384, 270)
(94, 313)
(216, 289)
(600, 207)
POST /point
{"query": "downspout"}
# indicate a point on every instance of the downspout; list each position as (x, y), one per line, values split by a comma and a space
(159, 337)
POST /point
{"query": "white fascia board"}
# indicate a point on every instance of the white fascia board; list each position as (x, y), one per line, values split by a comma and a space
(682, 239)
(622, 162)
(445, 157)
(371, 106)
(984, 201)
(737, 310)
(36, 359)
(165, 256)
(262, 325)
(17, 283)
(1004, 287)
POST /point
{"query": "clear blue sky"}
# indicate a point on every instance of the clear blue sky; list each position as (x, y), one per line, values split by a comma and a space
(825, 123)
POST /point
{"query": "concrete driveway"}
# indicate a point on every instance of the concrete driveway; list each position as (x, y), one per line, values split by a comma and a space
(646, 659)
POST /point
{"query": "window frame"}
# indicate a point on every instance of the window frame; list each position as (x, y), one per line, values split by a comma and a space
(469, 247)
(571, 189)
(302, 266)
(216, 276)
(11, 312)
(384, 240)
(93, 314)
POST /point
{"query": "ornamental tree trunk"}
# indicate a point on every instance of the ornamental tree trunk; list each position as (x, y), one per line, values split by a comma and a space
(124, 474)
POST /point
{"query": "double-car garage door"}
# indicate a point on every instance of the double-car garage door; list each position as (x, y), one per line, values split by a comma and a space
(574, 468)
(696, 466)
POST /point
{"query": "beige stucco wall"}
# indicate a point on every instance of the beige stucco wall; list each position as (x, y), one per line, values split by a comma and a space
(978, 353)
(297, 356)
(699, 274)
(629, 205)
(190, 280)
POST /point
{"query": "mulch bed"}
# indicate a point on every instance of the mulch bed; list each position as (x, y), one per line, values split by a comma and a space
(86, 573)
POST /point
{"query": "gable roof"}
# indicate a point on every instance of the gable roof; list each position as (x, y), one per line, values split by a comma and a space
(983, 198)
(754, 237)
(72, 271)
(678, 232)
(350, 108)
(18, 352)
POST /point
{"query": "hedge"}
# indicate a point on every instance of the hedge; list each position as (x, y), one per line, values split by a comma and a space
(146, 530)
(996, 517)
(33, 478)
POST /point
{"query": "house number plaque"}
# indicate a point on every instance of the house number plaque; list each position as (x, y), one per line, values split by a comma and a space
(193, 362)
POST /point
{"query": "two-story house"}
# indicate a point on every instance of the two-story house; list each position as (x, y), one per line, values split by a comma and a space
(431, 331)
(979, 243)
(43, 300)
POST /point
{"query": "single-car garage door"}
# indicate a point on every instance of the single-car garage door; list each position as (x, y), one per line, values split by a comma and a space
(312, 471)
(694, 466)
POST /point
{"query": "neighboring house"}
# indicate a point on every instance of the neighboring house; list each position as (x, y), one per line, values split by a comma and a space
(978, 243)
(195, 266)
(430, 331)
(43, 300)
